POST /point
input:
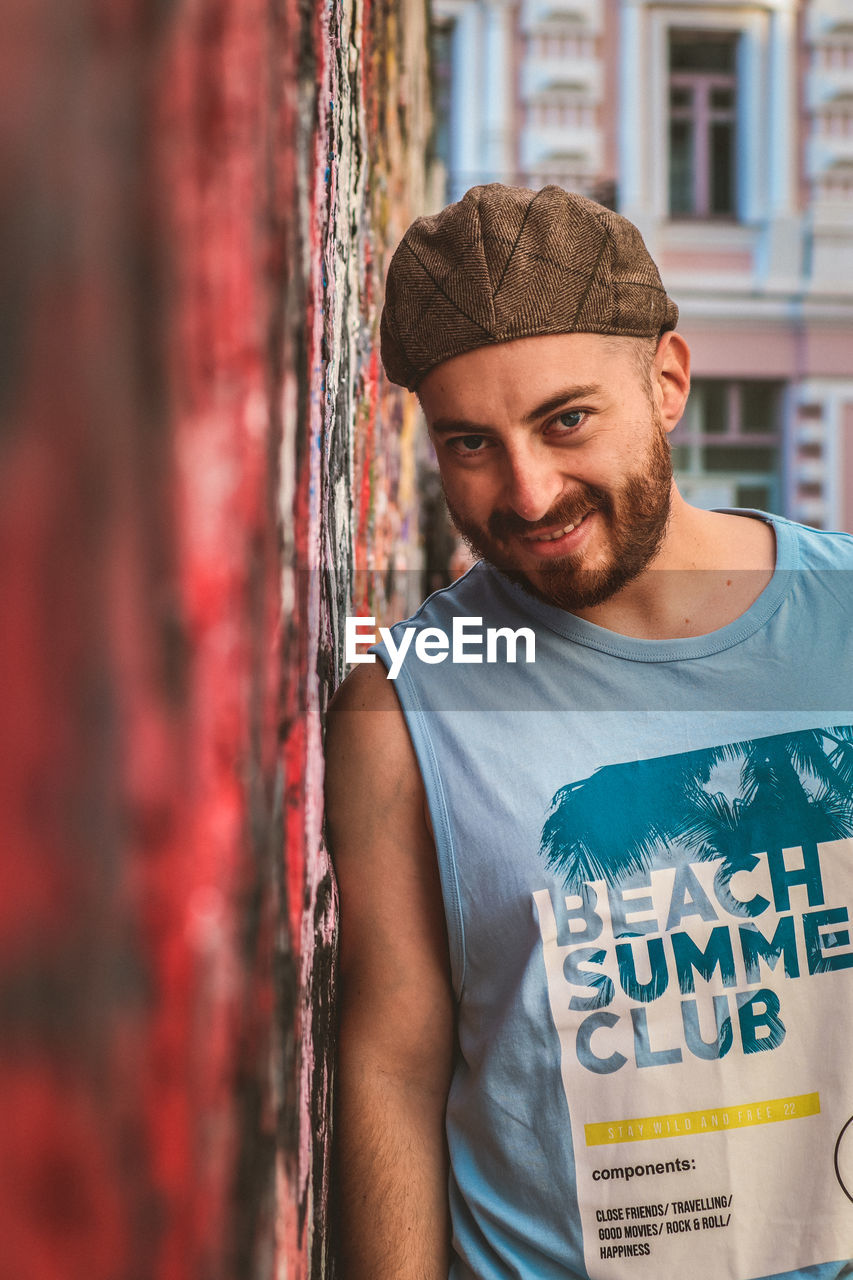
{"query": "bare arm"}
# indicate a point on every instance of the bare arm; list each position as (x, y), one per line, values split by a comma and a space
(396, 1007)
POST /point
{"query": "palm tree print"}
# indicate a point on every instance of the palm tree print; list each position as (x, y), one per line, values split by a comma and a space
(793, 789)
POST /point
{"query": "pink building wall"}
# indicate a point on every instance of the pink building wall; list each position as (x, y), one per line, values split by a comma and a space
(748, 349)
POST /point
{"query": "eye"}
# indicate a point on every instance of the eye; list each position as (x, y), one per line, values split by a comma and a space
(570, 419)
(467, 445)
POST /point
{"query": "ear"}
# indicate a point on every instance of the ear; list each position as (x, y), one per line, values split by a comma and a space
(671, 378)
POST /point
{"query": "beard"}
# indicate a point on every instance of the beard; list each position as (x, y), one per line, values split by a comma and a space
(636, 515)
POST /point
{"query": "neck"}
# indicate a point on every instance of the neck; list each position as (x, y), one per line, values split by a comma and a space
(710, 568)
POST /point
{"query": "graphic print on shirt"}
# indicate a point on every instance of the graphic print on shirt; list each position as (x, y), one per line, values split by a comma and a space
(698, 958)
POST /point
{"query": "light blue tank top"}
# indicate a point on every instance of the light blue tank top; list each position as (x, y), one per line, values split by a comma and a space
(646, 857)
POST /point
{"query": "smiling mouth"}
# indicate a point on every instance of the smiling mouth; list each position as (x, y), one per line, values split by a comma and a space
(556, 534)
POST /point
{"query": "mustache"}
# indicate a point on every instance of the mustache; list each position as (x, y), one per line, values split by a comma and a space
(569, 510)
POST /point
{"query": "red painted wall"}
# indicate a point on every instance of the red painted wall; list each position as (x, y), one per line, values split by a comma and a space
(197, 458)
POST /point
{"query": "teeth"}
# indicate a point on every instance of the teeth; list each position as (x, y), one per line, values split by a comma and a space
(552, 537)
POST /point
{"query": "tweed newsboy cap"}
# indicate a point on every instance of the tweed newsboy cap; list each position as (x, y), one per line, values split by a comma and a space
(506, 263)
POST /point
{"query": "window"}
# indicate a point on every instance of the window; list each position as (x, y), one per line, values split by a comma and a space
(836, 183)
(441, 34)
(565, 105)
(572, 46)
(725, 450)
(702, 123)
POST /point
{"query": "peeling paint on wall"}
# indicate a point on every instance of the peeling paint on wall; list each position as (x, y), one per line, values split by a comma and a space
(201, 470)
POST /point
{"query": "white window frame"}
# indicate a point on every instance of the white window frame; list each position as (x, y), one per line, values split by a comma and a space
(691, 438)
(766, 75)
(701, 115)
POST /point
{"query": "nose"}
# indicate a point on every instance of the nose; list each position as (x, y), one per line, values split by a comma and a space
(533, 483)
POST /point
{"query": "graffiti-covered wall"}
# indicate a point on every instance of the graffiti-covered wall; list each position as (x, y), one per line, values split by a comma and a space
(200, 466)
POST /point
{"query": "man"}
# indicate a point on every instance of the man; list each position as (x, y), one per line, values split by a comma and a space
(595, 954)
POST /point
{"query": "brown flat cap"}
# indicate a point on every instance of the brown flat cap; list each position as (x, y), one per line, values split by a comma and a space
(508, 263)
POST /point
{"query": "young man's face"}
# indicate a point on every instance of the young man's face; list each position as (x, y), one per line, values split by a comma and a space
(542, 434)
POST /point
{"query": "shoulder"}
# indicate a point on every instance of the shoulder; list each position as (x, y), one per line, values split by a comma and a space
(393, 935)
(365, 729)
(371, 767)
(818, 548)
(366, 689)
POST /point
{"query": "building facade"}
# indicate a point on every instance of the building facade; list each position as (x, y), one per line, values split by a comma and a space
(724, 130)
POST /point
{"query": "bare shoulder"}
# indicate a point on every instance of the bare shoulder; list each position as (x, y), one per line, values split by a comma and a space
(366, 688)
(375, 804)
(394, 965)
(366, 737)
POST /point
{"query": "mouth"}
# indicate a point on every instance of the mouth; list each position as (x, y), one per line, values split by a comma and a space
(563, 538)
(558, 533)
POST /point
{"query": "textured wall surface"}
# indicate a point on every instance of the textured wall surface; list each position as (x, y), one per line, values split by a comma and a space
(199, 466)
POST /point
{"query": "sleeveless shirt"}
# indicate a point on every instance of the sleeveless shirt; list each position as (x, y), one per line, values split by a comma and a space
(646, 857)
